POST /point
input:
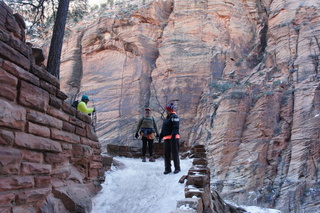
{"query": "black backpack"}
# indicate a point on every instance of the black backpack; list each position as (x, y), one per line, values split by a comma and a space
(75, 104)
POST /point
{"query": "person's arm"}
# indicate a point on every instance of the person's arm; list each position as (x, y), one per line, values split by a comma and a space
(139, 125)
(83, 108)
(138, 128)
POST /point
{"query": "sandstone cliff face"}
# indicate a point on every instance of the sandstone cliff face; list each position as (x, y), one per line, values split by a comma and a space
(115, 59)
(243, 77)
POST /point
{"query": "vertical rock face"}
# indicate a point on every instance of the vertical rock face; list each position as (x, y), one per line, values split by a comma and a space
(244, 77)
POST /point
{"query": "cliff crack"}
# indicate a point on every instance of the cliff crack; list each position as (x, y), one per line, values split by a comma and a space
(77, 70)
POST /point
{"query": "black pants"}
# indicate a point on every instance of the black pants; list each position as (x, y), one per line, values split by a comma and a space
(171, 149)
(146, 142)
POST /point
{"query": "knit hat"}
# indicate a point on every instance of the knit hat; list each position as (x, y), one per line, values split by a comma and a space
(170, 107)
(84, 97)
(147, 108)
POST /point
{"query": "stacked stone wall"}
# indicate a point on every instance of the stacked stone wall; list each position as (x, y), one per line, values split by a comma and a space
(135, 152)
(49, 154)
(197, 187)
(199, 197)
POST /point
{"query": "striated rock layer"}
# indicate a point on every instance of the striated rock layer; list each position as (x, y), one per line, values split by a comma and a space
(244, 77)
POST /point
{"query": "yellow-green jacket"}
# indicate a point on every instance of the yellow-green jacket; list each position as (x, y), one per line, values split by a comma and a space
(82, 107)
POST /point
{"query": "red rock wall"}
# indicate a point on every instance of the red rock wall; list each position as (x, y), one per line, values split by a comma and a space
(49, 154)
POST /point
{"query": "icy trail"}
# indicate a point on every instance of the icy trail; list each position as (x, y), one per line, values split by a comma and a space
(143, 188)
(140, 188)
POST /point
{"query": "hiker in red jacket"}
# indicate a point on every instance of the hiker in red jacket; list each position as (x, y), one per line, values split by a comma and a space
(170, 134)
(147, 127)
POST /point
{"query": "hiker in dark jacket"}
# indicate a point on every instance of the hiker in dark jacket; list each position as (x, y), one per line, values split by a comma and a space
(147, 127)
(170, 135)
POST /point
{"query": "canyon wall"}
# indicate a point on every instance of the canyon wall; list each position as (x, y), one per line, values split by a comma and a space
(49, 154)
(244, 78)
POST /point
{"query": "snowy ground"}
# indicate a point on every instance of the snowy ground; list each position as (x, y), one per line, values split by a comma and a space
(143, 188)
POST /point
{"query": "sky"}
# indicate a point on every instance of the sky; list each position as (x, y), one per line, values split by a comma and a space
(141, 187)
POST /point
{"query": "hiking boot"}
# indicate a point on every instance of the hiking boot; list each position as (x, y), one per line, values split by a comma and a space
(176, 171)
(144, 159)
(151, 159)
(166, 172)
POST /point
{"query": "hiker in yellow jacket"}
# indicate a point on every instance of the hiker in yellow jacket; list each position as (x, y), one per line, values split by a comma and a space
(82, 106)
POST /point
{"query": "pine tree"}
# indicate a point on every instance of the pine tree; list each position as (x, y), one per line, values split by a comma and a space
(53, 65)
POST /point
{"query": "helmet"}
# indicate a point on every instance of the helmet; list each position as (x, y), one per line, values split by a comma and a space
(84, 97)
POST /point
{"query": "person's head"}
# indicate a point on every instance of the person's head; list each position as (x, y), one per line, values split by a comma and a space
(147, 111)
(169, 108)
(85, 99)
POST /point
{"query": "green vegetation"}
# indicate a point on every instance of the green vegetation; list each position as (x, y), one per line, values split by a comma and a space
(265, 93)
(277, 130)
(40, 15)
(276, 83)
(221, 87)
(286, 96)
(111, 3)
(237, 95)
(238, 64)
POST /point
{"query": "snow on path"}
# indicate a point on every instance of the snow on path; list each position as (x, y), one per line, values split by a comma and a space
(143, 188)
(140, 188)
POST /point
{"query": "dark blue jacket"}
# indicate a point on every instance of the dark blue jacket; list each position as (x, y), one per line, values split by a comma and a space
(170, 125)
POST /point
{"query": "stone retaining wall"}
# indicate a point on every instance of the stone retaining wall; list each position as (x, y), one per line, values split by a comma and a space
(197, 187)
(135, 152)
(199, 197)
(49, 154)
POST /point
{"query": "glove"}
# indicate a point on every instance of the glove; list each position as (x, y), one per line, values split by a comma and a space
(94, 110)
(137, 135)
(157, 136)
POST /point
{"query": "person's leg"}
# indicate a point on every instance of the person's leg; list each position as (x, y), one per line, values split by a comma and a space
(167, 156)
(144, 148)
(175, 155)
(150, 145)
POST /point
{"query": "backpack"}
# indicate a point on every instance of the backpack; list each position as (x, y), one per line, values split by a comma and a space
(150, 136)
(75, 104)
(152, 119)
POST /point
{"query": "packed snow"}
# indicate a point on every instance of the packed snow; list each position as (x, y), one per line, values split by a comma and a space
(141, 187)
